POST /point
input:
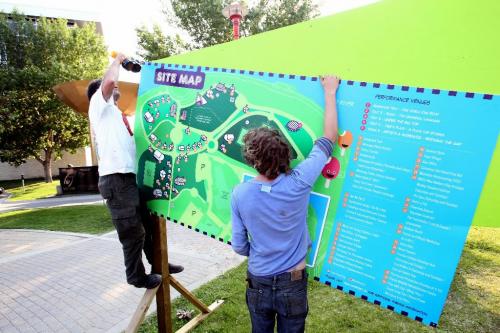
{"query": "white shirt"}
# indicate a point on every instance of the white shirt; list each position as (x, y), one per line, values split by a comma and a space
(114, 145)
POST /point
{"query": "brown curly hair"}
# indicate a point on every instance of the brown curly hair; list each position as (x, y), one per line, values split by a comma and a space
(267, 151)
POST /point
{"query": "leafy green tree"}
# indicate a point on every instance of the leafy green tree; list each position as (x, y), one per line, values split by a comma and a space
(204, 22)
(269, 15)
(156, 45)
(34, 57)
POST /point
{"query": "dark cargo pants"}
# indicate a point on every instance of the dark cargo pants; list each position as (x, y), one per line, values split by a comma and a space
(131, 221)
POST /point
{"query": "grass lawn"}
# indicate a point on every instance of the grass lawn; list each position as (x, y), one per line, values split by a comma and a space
(91, 219)
(473, 304)
(33, 189)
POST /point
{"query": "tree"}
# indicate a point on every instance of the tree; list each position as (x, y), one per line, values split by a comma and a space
(269, 15)
(204, 22)
(35, 56)
(155, 45)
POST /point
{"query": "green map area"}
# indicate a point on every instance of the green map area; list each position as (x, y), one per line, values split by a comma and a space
(190, 142)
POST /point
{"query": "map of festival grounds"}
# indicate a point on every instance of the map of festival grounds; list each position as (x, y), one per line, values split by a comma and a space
(190, 142)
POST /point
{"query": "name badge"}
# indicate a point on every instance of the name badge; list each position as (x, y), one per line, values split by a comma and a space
(265, 188)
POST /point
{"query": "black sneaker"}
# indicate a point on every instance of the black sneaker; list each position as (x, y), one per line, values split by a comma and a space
(174, 269)
(150, 281)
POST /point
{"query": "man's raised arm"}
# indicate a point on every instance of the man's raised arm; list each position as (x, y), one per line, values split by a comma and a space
(330, 85)
(110, 79)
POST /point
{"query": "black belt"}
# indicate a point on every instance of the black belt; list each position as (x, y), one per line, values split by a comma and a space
(286, 276)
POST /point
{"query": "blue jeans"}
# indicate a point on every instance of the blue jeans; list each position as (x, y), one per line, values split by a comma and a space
(277, 298)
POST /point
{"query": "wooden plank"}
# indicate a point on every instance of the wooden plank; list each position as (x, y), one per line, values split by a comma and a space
(160, 266)
(199, 318)
(163, 303)
(141, 310)
(190, 297)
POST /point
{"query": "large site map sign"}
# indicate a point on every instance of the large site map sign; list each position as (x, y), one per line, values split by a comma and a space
(401, 186)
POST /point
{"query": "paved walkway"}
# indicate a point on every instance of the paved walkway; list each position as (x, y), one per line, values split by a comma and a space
(84, 199)
(65, 282)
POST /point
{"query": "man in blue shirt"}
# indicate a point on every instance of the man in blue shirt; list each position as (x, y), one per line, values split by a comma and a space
(269, 221)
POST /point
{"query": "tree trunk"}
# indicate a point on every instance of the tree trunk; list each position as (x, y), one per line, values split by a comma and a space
(47, 168)
(47, 165)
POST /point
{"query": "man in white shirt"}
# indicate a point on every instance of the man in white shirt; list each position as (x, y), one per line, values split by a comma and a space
(117, 182)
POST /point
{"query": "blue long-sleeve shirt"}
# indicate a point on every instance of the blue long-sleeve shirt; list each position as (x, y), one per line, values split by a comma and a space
(269, 218)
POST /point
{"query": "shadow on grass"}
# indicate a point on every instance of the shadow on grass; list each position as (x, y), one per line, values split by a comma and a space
(473, 304)
(33, 189)
(92, 219)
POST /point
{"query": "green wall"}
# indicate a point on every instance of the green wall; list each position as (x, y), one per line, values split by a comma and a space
(445, 44)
